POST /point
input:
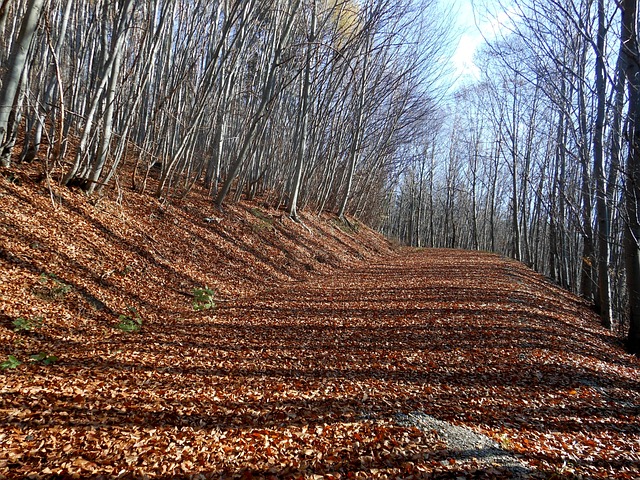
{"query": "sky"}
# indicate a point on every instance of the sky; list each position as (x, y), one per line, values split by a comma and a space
(475, 28)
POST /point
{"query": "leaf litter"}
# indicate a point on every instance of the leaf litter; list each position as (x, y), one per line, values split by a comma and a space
(328, 355)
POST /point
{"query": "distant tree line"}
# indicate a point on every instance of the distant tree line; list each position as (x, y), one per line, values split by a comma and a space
(541, 161)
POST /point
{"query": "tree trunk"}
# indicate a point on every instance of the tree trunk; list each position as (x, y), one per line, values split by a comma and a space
(355, 138)
(603, 296)
(632, 181)
(11, 81)
(304, 114)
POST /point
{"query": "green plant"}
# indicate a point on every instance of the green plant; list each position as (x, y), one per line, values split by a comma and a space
(10, 362)
(130, 323)
(44, 358)
(505, 442)
(347, 226)
(256, 212)
(21, 324)
(203, 299)
(126, 270)
(54, 288)
(261, 227)
(266, 222)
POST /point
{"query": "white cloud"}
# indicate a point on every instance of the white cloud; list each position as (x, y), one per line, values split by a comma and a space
(465, 67)
(474, 34)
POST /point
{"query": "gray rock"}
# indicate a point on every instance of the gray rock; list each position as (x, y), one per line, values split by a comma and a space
(465, 445)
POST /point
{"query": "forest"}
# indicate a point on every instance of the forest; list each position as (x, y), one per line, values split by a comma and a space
(541, 160)
(341, 106)
(286, 239)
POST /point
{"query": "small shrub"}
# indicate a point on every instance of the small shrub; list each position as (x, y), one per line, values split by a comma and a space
(44, 358)
(21, 324)
(130, 323)
(52, 287)
(10, 362)
(265, 223)
(203, 299)
(126, 271)
(257, 213)
(261, 227)
(347, 226)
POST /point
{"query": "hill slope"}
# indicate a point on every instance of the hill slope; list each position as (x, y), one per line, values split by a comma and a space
(141, 253)
(323, 344)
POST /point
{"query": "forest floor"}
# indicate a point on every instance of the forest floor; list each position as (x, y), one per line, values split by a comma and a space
(328, 354)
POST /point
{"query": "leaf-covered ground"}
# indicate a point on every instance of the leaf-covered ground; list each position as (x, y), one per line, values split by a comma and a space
(322, 338)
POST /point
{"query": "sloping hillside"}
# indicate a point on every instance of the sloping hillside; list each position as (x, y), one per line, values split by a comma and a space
(80, 263)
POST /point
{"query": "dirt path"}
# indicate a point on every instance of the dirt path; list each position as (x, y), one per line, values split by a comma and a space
(318, 378)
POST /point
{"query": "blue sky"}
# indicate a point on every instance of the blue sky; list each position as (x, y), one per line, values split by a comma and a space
(486, 21)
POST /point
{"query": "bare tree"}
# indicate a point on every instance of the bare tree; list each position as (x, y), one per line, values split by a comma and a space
(14, 80)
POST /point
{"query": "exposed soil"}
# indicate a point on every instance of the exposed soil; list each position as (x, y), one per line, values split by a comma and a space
(329, 354)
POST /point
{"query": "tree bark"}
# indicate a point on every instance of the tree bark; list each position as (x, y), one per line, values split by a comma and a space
(357, 132)
(603, 296)
(632, 181)
(12, 80)
(292, 209)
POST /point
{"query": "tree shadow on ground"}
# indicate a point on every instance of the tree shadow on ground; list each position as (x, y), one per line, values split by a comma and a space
(498, 356)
